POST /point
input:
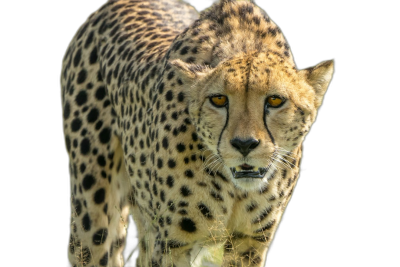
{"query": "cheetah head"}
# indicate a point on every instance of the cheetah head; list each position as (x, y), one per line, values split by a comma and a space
(252, 112)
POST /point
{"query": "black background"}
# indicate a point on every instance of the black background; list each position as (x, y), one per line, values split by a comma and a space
(332, 219)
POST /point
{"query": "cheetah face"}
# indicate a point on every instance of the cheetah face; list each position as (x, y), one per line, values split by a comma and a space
(252, 113)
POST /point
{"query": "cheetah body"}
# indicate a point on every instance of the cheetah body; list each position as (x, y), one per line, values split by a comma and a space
(144, 138)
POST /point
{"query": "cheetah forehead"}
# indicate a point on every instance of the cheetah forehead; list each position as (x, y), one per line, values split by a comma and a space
(230, 30)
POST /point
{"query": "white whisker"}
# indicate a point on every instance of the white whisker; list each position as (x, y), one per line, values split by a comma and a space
(216, 164)
(279, 159)
(284, 163)
(210, 159)
(287, 153)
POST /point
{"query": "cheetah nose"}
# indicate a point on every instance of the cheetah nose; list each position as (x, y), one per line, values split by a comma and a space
(245, 146)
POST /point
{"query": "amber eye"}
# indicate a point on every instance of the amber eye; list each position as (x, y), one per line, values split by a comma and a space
(219, 100)
(275, 101)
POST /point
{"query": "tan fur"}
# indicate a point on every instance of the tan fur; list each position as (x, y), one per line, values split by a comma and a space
(143, 135)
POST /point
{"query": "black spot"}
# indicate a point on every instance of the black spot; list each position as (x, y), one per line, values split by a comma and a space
(187, 225)
(105, 135)
(216, 185)
(262, 216)
(93, 56)
(161, 88)
(216, 196)
(286, 53)
(170, 181)
(142, 159)
(205, 210)
(93, 115)
(77, 58)
(185, 191)
(266, 227)
(85, 146)
(86, 222)
(88, 182)
(165, 142)
(99, 196)
(194, 137)
(159, 163)
(82, 167)
(183, 128)
(182, 212)
(252, 206)
(180, 147)
(76, 124)
(284, 173)
(181, 96)
(190, 60)
(100, 93)
(101, 160)
(99, 124)
(170, 75)
(185, 50)
(204, 38)
(202, 184)
(81, 76)
(177, 45)
(162, 196)
(155, 191)
(81, 98)
(100, 236)
(189, 174)
(257, 20)
(84, 256)
(272, 31)
(78, 207)
(104, 260)
(169, 95)
(171, 163)
(105, 209)
(106, 103)
(183, 204)
(171, 206)
(67, 110)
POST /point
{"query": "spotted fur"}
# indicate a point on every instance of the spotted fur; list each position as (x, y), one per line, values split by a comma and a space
(144, 138)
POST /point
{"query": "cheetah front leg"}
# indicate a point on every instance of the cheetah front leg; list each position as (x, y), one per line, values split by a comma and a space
(101, 200)
(245, 252)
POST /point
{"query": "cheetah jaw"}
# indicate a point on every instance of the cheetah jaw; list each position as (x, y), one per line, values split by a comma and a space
(260, 173)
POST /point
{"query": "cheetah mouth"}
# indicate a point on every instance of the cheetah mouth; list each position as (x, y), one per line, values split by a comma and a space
(247, 171)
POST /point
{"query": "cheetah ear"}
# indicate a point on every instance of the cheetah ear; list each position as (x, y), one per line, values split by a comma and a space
(190, 72)
(319, 78)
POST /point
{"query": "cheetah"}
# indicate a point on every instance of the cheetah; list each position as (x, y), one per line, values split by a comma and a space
(192, 123)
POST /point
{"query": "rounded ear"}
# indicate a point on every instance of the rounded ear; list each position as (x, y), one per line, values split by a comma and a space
(319, 78)
(190, 72)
